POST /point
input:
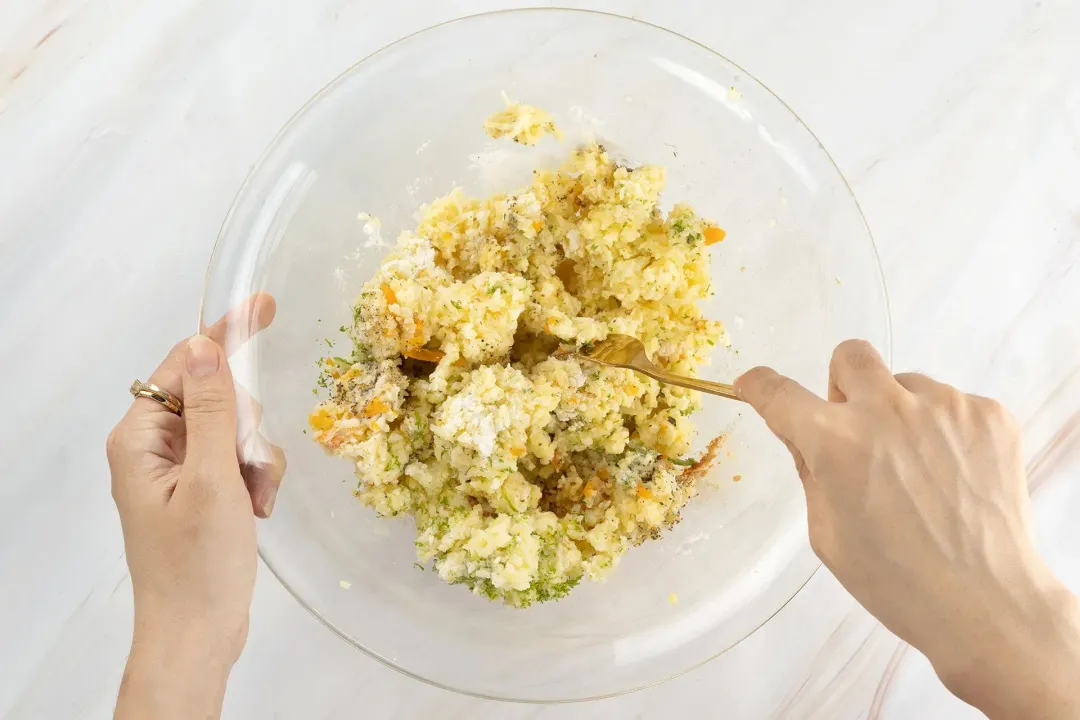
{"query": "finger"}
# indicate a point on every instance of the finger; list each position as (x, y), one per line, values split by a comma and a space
(262, 474)
(922, 385)
(242, 322)
(249, 415)
(238, 326)
(209, 406)
(786, 406)
(261, 463)
(857, 370)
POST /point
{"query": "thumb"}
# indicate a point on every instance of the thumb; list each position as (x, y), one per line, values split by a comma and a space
(786, 406)
(209, 405)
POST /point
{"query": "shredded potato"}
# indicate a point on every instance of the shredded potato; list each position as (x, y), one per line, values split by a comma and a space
(527, 473)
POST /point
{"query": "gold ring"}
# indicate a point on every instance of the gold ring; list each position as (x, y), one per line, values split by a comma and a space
(139, 389)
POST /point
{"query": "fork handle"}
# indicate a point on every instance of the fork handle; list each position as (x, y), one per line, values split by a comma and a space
(705, 386)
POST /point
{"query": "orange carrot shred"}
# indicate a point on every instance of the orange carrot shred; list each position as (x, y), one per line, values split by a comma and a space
(389, 294)
(375, 407)
(320, 420)
(714, 235)
(644, 493)
(424, 355)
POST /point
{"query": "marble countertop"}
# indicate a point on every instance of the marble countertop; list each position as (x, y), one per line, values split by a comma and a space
(126, 127)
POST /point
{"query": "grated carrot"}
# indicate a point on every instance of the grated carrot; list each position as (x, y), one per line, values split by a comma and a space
(389, 294)
(320, 420)
(517, 451)
(537, 225)
(714, 235)
(589, 490)
(375, 407)
(418, 331)
(424, 355)
(644, 493)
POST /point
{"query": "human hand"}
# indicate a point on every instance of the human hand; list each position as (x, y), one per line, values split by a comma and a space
(187, 508)
(918, 503)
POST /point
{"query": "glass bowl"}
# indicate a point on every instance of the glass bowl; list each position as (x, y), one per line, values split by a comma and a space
(797, 273)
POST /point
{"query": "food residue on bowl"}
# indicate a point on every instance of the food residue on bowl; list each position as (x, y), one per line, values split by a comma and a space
(526, 473)
(523, 124)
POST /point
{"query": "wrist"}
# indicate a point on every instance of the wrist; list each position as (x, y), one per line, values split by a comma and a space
(206, 635)
(1024, 658)
(179, 663)
(173, 675)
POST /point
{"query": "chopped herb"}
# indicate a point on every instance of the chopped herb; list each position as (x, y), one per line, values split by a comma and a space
(343, 329)
(328, 343)
(341, 360)
(684, 462)
(418, 566)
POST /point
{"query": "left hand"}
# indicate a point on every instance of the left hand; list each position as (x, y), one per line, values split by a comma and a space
(188, 508)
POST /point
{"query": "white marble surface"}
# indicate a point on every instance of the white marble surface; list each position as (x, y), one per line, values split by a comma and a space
(126, 127)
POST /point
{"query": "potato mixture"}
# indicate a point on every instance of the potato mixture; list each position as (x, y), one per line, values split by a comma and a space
(526, 473)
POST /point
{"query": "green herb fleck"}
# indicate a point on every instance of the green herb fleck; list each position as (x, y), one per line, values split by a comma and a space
(418, 566)
(684, 462)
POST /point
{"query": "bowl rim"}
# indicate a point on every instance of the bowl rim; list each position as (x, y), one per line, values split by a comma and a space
(326, 90)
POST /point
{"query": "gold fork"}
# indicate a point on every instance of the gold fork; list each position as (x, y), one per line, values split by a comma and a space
(625, 351)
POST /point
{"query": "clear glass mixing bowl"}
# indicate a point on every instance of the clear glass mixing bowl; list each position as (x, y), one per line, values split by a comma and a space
(797, 274)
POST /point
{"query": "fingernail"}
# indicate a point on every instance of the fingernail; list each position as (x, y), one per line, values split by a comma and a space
(269, 497)
(202, 356)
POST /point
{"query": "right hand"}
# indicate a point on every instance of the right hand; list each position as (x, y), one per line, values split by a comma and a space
(918, 503)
